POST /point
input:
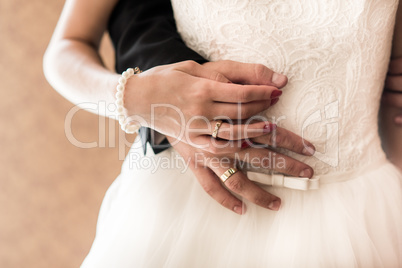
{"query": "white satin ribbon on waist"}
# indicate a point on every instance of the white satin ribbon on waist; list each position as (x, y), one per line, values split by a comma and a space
(304, 184)
(279, 180)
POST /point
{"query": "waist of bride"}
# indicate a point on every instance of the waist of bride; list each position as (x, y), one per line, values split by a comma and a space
(304, 184)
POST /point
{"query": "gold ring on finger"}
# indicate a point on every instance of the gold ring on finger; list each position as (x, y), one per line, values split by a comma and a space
(216, 130)
(228, 173)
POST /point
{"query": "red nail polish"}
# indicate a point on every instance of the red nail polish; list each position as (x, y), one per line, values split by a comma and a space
(269, 128)
(274, 101)
(245, 145)
(276, 93)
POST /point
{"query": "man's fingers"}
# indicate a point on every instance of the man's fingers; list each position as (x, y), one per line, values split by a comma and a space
(229, 138)
(235, 93)
(241, 185)
(211, 184)
(286, 139)
(248, 73)
(392, 99)
(395, 66)
(268, 159)
(394, 83)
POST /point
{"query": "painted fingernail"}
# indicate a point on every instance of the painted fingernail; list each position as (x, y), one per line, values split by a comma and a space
(274, 205)
(308, 150)
(268, 128)
(274, 101)
(279, 79)
(245, 145)
(306, 173)
(276, 93)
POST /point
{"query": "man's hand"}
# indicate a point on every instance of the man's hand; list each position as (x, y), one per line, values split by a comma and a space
(391, 113)
(392, 96)
(208, 167)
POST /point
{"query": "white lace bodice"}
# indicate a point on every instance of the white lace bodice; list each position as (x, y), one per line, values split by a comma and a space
(334, 52)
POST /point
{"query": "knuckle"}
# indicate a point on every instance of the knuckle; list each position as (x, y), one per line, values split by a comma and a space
(245, 95)
(231, 149)
(266, 162)
(226, 202)
(200, 93)
(218, 77)
(196, 110)
(227, 61)
(235, 133)
(212, 149)
(245, 113)
(268, 138)
(262, 200)
(189, 64)
(235, 185)
(291, 166)
(294, 146)
(259, 71)
(208, 188)
(284, 140)
(224, 63)
(277, 138)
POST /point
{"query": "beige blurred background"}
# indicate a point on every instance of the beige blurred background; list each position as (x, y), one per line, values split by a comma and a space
(50, 190)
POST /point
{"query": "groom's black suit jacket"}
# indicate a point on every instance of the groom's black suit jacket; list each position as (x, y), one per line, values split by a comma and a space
(144, 34)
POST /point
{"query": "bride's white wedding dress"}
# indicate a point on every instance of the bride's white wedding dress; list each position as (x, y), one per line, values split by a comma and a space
(335, 54)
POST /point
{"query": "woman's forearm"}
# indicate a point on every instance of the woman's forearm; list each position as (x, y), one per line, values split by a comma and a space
(76, 71)
(72, 64)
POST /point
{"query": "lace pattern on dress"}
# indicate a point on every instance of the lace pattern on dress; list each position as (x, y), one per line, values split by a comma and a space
(335, 54)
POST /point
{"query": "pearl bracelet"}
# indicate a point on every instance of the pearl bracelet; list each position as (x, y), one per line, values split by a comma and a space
(126, 125)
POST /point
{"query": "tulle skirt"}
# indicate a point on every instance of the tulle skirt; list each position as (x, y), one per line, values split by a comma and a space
(161, 217)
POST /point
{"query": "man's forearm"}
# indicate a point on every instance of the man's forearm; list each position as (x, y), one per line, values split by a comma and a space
(144, 34)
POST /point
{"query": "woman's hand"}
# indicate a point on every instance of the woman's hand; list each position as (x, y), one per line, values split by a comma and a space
(173, 98)
(208, 167)
(186, 99)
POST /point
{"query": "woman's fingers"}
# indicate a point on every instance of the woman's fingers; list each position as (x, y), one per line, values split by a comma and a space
(283, 138)
(240, 110)
(245, 131)
(228, 131)
(235, 93)
(241, 185)
(248, 73)
(211, 185)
